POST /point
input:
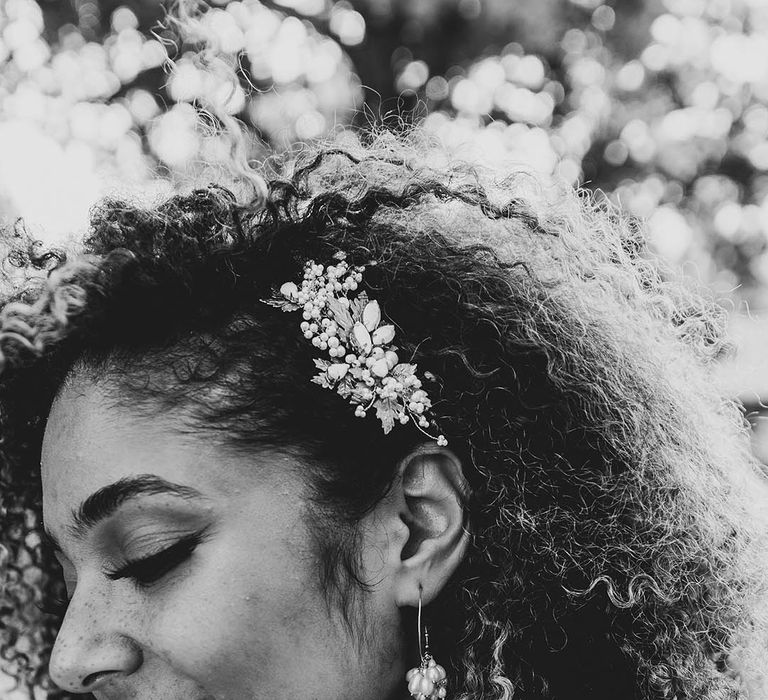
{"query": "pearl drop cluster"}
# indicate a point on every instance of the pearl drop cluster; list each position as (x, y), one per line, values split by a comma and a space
(319, 285)
(428, 681)
(363, 364)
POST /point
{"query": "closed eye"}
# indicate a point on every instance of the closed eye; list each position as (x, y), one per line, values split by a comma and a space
(148, 570)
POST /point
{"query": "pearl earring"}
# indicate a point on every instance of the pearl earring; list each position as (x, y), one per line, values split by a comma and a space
(428, 680)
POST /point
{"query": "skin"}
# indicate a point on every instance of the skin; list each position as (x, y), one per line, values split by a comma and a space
(242, 615)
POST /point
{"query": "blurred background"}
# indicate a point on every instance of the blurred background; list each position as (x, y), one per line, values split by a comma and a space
(659, 105)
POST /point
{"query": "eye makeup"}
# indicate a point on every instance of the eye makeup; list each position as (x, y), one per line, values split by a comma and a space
(145, 571)
(56, 596)
(142, 572)
(54, 605)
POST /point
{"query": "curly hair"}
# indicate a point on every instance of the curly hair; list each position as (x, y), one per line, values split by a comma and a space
(618, 541)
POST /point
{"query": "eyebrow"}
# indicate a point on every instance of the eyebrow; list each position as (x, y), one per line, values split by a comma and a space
(103, 503)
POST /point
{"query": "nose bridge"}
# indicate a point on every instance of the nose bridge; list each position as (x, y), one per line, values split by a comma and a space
(92, 646)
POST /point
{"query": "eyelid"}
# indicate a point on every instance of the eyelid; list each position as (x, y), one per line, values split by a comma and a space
(54, 605)
(63, 561)
(147, 570)
(149, 544)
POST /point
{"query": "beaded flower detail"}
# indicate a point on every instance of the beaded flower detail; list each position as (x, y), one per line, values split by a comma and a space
(347, 327)
(427, 681)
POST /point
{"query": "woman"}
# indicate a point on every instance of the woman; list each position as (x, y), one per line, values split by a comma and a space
(283, 445)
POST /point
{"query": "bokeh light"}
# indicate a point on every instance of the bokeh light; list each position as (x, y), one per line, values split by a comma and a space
(119, 115)
(660, 106)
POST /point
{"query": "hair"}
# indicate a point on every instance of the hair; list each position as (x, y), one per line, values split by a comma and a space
(618, 546)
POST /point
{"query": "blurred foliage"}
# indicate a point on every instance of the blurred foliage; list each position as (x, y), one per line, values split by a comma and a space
(659, 105)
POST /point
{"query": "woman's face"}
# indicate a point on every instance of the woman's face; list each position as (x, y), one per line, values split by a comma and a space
(191, 571)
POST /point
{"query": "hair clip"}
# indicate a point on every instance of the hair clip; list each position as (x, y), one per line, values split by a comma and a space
(348, 327)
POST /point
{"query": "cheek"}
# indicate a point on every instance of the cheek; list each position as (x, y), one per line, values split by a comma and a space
(259, 627)
(239, 622)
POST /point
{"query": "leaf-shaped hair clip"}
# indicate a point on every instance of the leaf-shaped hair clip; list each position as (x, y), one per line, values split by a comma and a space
(359, 360)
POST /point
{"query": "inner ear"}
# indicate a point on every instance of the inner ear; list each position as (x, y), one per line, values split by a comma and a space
(434, 491)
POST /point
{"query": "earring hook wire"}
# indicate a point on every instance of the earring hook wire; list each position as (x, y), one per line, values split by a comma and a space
(422, 649)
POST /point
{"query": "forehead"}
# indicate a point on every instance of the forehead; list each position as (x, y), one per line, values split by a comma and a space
(92, 439)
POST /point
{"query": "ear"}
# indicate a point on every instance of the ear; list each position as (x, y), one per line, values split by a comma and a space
(431, 496)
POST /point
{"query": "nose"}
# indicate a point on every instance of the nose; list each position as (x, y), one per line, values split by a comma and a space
(90, 649)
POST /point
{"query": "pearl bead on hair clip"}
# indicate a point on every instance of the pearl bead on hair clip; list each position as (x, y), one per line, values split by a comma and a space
(363, 365)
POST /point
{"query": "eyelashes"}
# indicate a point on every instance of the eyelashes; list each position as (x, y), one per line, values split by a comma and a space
(54, 605)
(142, 572)
(148, 570)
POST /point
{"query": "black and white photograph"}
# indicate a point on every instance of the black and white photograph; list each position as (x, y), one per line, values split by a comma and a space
(384, 349)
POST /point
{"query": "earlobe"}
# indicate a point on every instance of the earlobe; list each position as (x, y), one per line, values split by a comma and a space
(434, 493)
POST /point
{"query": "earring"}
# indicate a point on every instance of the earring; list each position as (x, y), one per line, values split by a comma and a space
(428, 680)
